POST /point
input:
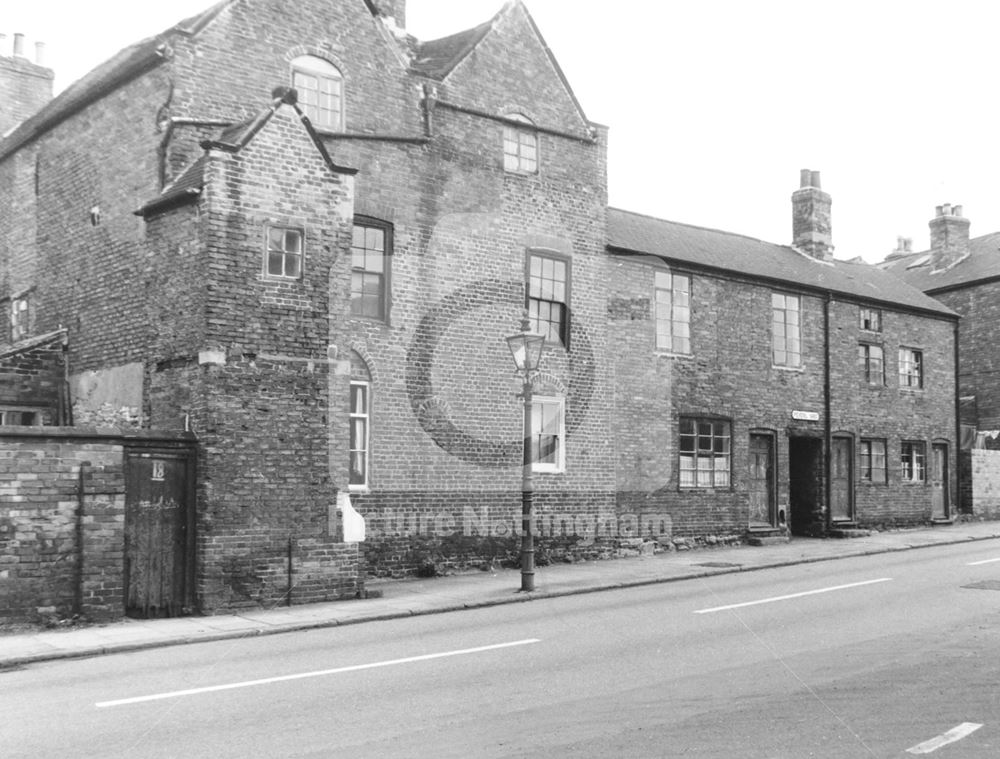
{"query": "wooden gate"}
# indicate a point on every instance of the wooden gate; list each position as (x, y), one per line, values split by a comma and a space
(761, 481)
(159, 532)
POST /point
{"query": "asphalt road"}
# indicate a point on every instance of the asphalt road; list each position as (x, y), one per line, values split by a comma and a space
(892, 655)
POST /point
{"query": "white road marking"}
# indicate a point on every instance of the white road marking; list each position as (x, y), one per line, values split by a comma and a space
(320, 673)
(955, 734)
(793, 595)
(984, 561)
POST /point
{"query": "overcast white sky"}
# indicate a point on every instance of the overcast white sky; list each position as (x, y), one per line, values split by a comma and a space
(715, 105)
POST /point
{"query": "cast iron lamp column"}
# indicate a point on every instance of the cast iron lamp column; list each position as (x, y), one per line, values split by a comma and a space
(526, 347)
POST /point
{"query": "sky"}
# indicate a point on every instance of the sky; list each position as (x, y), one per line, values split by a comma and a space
(714, 106)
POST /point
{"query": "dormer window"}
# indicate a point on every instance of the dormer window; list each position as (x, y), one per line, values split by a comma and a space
(320, 87)
(520, 146)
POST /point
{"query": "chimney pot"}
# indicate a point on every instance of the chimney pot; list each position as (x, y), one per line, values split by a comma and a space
(40, 53)
(805, 177)
(18, 45)
(815, 180)
(957, 211)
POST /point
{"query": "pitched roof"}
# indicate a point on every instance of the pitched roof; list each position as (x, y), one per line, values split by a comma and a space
(746, 256)
(437, 58)
(982, 263)
(232, 139)
(113, 73)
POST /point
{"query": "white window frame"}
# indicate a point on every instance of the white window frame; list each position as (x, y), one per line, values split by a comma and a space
(308, 70)
(284, 252)
(913, 463)
(672, 305)
(520, 146)
(559, 465)
(911, 369)
(361, 256)
(705, 469)
(364, 416)
(872, 451)
(786, 331)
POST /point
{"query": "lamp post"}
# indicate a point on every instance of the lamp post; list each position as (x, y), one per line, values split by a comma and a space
(526, 347)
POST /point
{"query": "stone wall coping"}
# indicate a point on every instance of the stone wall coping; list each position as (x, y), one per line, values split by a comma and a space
(94, 434)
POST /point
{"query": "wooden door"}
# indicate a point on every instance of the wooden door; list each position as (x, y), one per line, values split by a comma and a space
(841, 480)
(939, 481)
(761, 481)
(158, 547)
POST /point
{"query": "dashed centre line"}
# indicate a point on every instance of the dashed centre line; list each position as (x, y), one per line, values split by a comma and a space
(955, 734)
(320, 673)
(792, 595)
(984, 561)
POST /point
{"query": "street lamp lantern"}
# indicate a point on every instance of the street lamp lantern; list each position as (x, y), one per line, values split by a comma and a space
(526, 347)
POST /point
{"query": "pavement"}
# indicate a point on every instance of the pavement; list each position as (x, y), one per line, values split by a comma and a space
(398, 599)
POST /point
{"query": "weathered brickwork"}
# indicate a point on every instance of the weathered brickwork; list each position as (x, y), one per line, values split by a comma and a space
(25, 87)
(62, 514)
(729, 375)
(32, 377)
(983, 481)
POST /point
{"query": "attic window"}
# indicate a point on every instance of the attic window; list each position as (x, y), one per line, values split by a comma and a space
(320, 87)
(520, 146)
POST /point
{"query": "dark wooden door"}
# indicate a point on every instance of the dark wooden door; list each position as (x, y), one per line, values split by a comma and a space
(841, 480)
(157, 534)
(939, 481)
(761, 481)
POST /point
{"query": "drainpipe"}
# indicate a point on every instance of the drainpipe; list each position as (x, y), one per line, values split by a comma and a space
(958, 435)
(827, 404)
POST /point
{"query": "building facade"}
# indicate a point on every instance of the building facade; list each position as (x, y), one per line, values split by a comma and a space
(300, 235)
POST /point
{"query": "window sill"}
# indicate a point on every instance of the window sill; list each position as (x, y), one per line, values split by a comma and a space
(359, 490)
(548, 471)
(914, 390)
(794, 369)
(670, 354)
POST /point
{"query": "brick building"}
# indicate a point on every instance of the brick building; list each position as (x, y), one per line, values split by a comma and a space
(772, 386)
(302, 235)
(964, 273)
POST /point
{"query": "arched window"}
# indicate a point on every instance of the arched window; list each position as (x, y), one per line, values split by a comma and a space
(321, 91)
(520, 146)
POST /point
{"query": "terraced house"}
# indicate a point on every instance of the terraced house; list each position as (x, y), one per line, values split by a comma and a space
(268, 259)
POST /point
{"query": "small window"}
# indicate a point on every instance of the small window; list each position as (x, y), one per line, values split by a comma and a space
(871, 319)
(520, 146)
(19, 318)
(872, 360)
(548, 433)
(19, 417)
(371, 254)
(360, 421)
(873, 462)
(914, 462)
(673, 312)
(786, 330)
(284, 253)
(911, 368)
(320, 88)
(548, 297)
(705, 453)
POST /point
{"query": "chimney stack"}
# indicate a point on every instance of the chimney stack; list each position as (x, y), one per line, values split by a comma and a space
(25, 86)
(904, 247)
(949, 237)
(395, 9)
(812, 231)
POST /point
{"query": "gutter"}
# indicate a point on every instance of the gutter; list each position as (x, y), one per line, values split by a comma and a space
(827, 407)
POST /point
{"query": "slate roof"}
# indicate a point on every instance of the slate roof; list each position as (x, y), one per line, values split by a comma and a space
(437, 58)
(114, 72)
(712, 249)
(983, 263)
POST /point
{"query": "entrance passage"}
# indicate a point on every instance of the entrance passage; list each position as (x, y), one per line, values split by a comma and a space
(805, 485)
(761, 481)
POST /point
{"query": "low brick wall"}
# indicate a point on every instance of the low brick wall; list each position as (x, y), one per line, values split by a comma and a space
(62, 519)
(983, 480)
